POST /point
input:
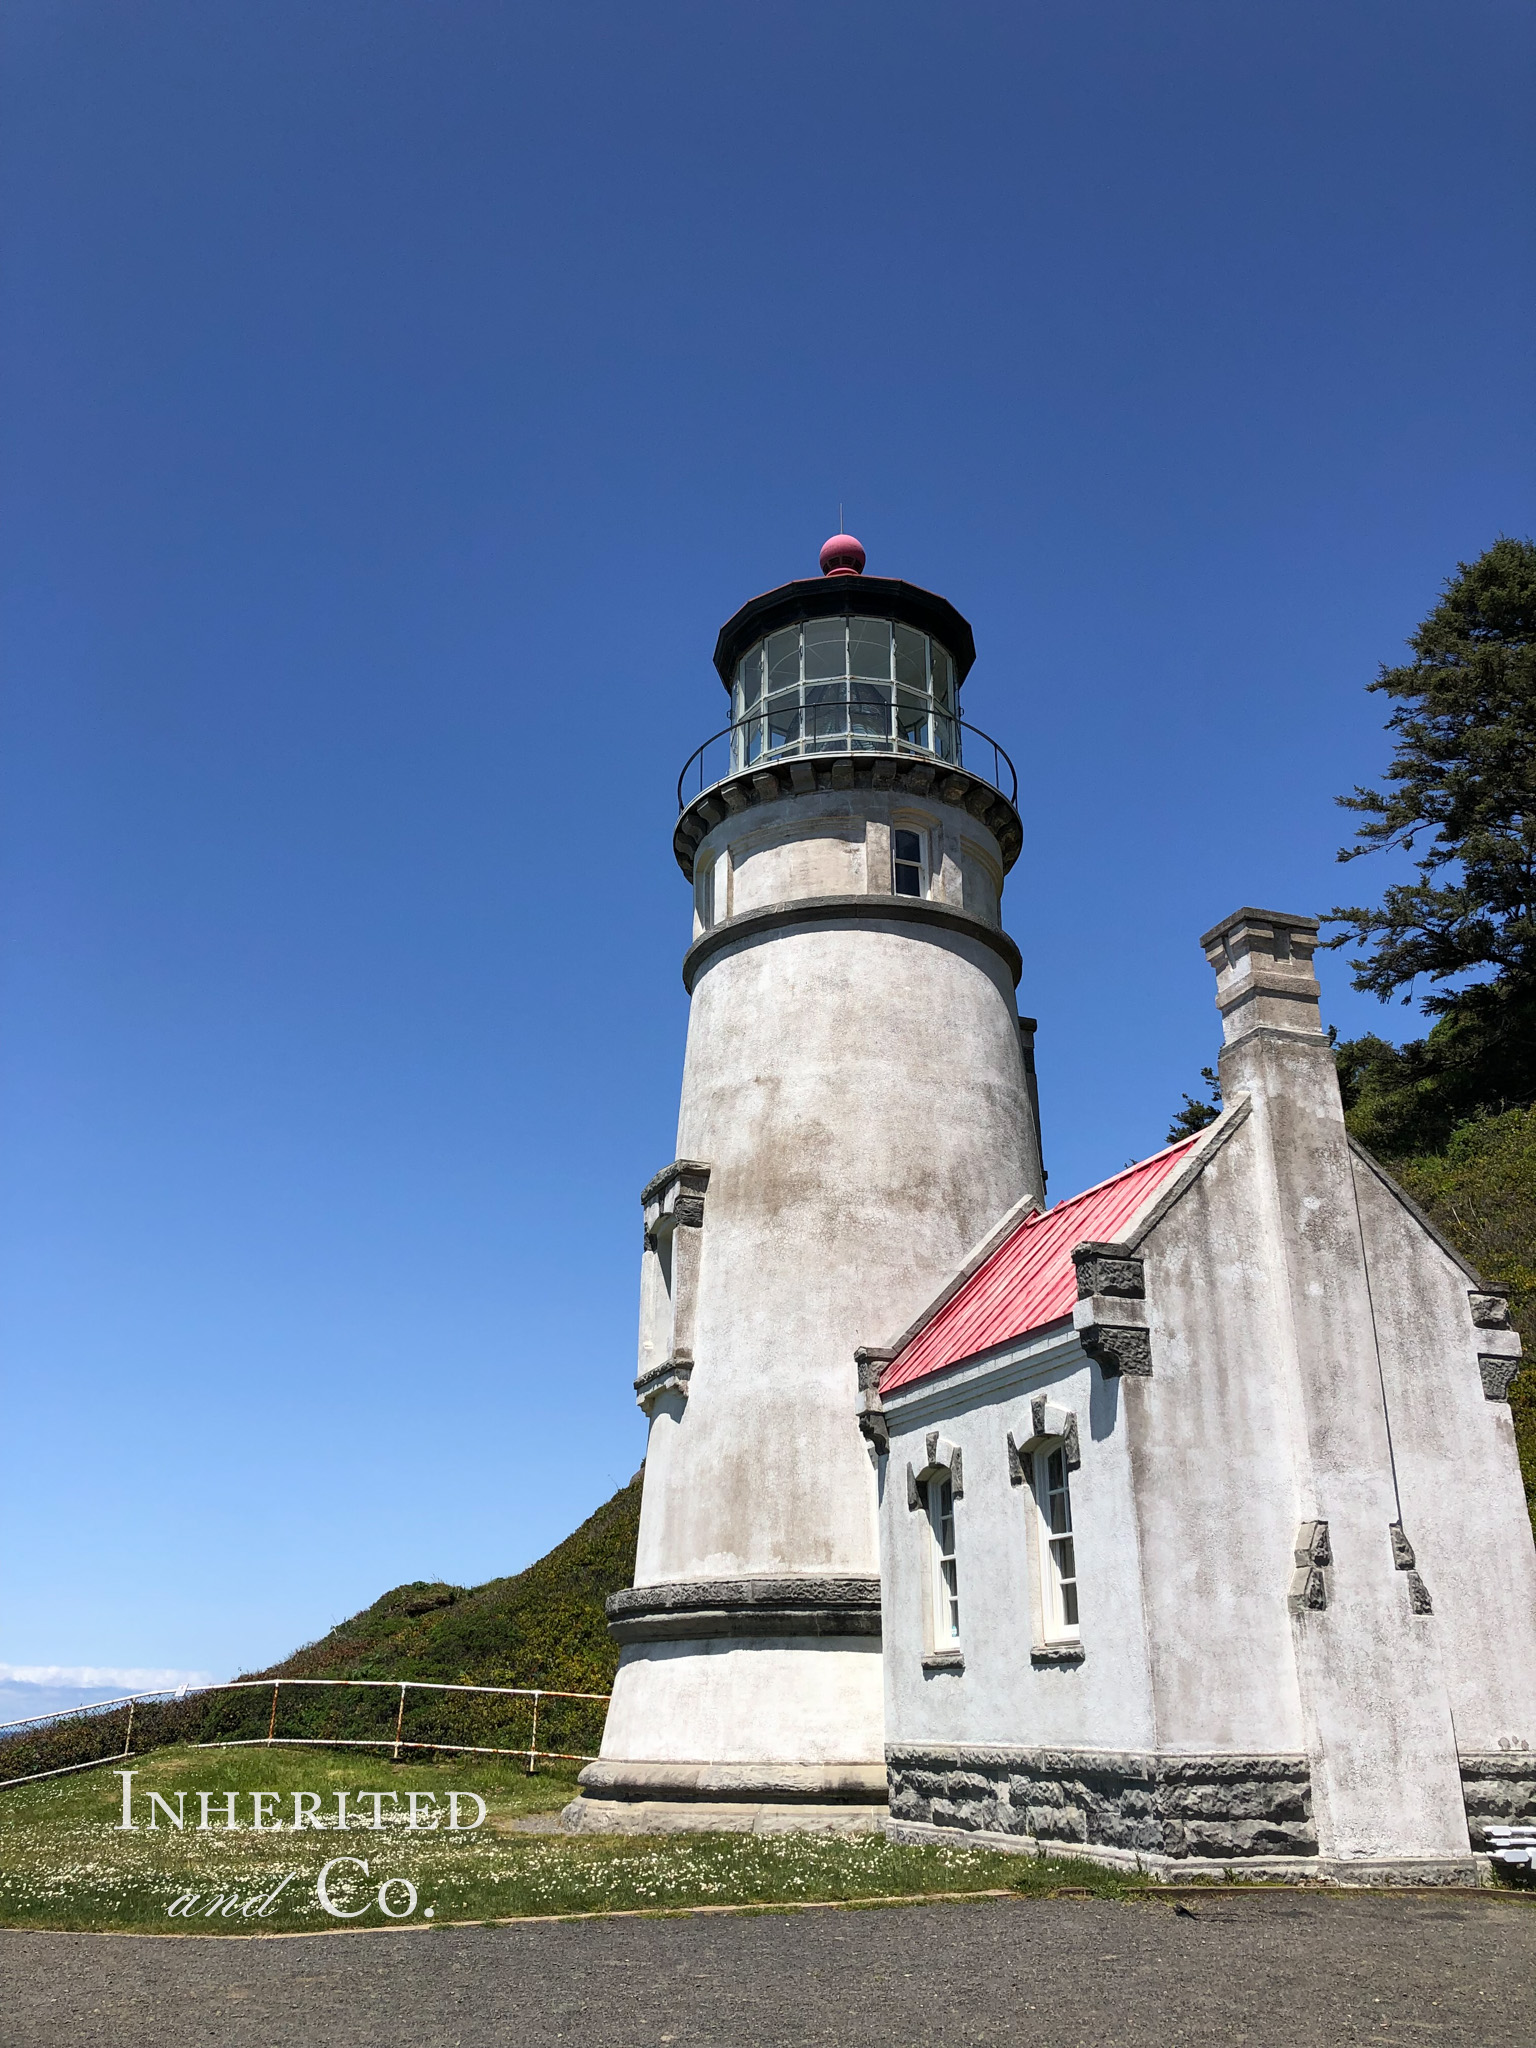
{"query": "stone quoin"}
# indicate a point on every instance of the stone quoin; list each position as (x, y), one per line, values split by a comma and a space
(1179, 1524)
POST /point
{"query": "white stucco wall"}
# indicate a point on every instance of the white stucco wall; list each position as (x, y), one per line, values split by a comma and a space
(1002, 1696)
(1458, 1477)
(791, 1698)
(1209, 1437)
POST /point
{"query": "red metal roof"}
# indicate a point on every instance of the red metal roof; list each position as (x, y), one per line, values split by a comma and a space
(1030, 1280)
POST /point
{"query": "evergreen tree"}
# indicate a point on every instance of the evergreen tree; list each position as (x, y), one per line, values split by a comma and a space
(1462, 792)
(1196, 1113)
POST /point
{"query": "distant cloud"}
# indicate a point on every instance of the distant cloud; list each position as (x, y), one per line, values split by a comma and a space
(130, 1678)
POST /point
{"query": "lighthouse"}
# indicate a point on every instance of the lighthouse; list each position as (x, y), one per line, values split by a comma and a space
(858, 1111)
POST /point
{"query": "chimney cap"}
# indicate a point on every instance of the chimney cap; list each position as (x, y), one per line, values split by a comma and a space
(1287, 920)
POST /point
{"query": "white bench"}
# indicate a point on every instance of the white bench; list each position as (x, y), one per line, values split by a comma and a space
(1515, 1846)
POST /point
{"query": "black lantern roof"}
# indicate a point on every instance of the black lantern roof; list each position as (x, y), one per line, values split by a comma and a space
(830, 597)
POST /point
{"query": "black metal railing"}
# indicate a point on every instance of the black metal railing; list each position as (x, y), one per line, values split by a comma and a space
(863, 719)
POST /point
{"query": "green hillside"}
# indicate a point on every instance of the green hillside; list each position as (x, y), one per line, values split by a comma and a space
(1481, 1191)
(542, 1627)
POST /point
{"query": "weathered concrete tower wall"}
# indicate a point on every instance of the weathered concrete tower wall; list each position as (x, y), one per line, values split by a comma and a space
(856, 1112)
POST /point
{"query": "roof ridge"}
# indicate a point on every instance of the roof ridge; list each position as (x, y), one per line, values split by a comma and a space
(1027, 1280)
(1136, 1166)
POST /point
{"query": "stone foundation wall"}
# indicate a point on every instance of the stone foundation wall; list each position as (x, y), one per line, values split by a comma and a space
(1222, 1807)
(1498, 1785)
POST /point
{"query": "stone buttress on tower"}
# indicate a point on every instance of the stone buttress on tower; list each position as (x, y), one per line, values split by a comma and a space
(857, 1111)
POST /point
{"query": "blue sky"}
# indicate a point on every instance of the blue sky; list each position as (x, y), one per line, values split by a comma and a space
(396, 398)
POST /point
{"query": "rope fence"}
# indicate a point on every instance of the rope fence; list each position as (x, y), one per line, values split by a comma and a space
(399, 1715)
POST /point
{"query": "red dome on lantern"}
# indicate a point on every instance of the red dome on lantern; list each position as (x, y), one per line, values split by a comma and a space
(842, 555)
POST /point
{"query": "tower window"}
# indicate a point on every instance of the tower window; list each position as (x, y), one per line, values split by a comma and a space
(1058, 1556)
(939, 1500)
(907, 863)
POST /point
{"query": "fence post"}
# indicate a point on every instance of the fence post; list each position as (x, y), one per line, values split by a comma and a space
(272, 1724)
(128, 1735)
(533, 1740)
(399, 1721)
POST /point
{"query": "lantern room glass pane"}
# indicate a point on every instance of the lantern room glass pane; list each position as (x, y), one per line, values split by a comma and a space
(869, 714)
(869, 648)
(783, 722)
(750, 679)
(912, 719)
(826, 715)
(943, 678)
(826, 648)
(784, 659)
(911, 658)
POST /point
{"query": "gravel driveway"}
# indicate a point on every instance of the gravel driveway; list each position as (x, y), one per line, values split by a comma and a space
(1289, 1970)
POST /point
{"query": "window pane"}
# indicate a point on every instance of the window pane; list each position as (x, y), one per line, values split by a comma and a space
(870, 710)
(784, 659)
(826, 648)
(908, 846)
(869, 648)
(751, 680)
(1069, 1605)
(944, 737)
(911, 659)
(943, 677)
(826, 711)
(1066, 1562)
(912, 720)
(783, 722)
(1056, 1471)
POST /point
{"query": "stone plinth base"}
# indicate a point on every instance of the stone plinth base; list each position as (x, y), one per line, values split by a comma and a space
(1116, 1805)
(1332, 1870)
(586, 1816)
(626, 1797)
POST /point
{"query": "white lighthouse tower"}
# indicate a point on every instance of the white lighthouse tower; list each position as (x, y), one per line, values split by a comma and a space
(857, 1111)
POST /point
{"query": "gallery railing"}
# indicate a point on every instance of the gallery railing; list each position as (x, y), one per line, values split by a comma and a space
(396, 1714)
(862, 718)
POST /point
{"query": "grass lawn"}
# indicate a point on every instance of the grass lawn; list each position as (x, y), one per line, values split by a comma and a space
(66, 1862)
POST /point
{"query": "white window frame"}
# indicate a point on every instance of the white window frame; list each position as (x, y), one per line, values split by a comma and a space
(708, 873)
(924, 871)
(943, 1585)
(1055, 1626)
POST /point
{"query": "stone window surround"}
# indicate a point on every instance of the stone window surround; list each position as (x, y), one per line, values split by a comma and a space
(672, 1205)
(942, 1460)
(1049, 1424)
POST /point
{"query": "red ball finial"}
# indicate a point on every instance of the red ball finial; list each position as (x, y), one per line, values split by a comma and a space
(842, 556)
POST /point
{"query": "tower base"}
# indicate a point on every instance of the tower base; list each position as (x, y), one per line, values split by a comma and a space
(643, 1798)
(717, 1817)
